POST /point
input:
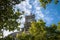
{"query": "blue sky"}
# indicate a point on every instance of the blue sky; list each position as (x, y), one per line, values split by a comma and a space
(50, 15)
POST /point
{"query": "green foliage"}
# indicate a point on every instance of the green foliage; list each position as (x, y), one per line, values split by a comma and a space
(39, 31)
(53, 27)
(24, 36)
(37, 27)
(9, 38)
(7, 16)
(45, 2)
(58, 27)
(9, 22)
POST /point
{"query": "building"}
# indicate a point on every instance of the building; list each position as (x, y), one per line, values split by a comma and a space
(28, 20)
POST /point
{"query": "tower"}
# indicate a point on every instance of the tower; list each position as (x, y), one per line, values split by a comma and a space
(28, 20)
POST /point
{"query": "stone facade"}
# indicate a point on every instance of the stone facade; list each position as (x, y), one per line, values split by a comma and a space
(28, 20)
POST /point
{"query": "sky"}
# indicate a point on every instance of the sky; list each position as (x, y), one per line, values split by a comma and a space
(51, 15)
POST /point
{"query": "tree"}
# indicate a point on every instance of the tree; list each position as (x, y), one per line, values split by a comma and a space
(51, 32)
(37, 29)
(58, 27)
(24, 36)
(45, 2)
(7, 16)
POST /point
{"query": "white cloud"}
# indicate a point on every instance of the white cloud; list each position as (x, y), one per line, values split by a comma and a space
(22, 20)
(41, 15)
(38, 8)
(22, 6)
(27, 12)
(25, 6)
